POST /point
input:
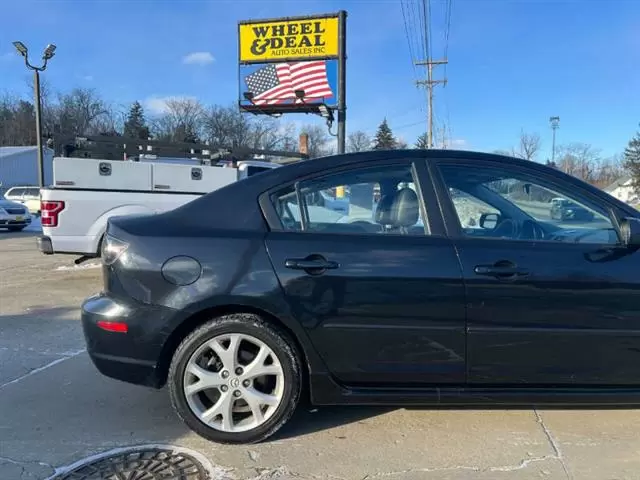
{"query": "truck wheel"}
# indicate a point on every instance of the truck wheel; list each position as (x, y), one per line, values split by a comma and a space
(235, 379)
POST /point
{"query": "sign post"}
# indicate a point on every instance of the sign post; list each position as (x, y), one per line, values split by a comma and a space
(342, 82)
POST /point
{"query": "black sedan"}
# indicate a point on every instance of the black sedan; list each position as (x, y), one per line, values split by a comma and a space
(256, 295)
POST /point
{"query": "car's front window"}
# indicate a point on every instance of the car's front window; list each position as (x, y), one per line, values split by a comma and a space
(523, 208)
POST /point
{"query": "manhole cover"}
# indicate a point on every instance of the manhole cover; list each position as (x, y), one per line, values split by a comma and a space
(148, 464)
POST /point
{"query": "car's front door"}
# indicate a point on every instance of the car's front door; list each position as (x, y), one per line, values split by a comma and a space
(550, 301)
(379, 289)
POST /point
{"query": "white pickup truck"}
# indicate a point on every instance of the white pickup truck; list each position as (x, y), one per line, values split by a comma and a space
(87, 191)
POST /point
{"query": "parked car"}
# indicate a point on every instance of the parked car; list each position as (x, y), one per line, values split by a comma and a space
(27, 195)
(244, 309)
(563, 210)
(14, 216)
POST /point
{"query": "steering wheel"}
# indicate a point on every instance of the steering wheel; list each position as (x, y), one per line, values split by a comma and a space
(506, 228)
(530, 230)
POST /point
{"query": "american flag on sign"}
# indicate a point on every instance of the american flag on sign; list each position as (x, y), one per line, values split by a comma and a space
(277, 83)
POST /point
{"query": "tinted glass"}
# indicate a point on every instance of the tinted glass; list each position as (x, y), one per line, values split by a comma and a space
(379, 200)
(527, 207)
(15, 192)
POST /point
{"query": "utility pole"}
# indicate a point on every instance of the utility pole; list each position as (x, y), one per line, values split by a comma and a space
(555, 123)
(429, 83)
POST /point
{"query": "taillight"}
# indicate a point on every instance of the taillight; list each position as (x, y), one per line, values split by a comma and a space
(49, 211)
(112, 249)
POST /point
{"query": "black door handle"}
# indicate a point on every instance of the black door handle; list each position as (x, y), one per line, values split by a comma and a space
(500, 271)
(310, 264)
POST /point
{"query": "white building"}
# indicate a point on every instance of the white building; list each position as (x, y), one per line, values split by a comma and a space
(623, 190)
(19, 166)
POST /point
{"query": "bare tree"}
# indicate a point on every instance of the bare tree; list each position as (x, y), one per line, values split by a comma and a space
(358, 141)
(580, 160)
(182, 121)
(78, 112)
(528, 146)
(226, 127)
(17, 121)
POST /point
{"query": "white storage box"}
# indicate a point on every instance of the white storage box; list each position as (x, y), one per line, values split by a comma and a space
(191, 179)
(92, 173)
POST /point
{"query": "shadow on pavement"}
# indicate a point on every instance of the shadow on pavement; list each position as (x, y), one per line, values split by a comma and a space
(309, 419)
(6, 234)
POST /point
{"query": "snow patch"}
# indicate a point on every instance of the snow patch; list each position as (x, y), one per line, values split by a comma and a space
(82, 266)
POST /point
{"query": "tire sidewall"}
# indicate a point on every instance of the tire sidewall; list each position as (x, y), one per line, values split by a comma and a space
(275, 340)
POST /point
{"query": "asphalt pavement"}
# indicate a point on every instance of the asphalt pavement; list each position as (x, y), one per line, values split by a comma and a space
(56, 409)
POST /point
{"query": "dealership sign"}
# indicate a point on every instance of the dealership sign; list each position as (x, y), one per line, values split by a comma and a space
(285, 39)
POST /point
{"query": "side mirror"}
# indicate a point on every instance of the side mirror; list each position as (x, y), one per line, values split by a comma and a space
(489, 220)
(630, 230)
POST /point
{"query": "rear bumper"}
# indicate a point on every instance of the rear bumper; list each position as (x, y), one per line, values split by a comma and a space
(44, 245)
(134, 356)
(72, 244)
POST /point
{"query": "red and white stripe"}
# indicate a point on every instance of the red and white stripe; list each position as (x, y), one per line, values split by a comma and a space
(308, 76)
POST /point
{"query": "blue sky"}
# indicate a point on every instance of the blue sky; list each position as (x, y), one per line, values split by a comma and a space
(512, 63)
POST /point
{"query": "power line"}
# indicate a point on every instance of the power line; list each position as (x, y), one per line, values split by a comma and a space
(428, 26)
(447, 31)
(406, 31)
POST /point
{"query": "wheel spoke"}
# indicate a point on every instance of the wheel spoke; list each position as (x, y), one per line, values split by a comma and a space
(256, 398)
(257, 368)
(206, 379)
(228, 356)
(224, 408)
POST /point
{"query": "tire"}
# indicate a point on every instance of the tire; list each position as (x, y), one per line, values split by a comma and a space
(246, 326)
(16, 229)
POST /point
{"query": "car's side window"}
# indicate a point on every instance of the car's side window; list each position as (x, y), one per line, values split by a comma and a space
(503, 202)
(375, 200)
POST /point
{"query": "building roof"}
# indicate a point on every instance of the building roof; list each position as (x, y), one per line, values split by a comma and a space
(618, 183)
(8, 151)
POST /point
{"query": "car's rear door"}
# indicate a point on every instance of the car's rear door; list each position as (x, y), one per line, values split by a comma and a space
(550, 302)
(379, 290)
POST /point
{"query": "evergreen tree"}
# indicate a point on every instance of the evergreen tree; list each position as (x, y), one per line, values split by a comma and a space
(422, 142)
(384, 139)
(632, 160)
(135, 125)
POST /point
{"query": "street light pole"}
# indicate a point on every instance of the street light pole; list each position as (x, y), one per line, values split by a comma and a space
(555, 123)
(46, 56)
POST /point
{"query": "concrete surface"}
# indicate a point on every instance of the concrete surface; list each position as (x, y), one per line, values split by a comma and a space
(55, 409)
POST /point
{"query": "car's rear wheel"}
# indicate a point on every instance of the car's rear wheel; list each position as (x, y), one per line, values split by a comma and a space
(235, 379)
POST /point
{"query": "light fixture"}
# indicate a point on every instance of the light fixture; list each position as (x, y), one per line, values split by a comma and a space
(299, 94)
(20, 47)
(49, 52)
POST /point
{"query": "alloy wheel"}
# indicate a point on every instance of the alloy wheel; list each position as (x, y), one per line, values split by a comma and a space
(233, 382)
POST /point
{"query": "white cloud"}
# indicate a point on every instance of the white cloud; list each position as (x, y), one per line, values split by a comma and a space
(88, 78)
(8, 56)
(157, 105)
(198, 58)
